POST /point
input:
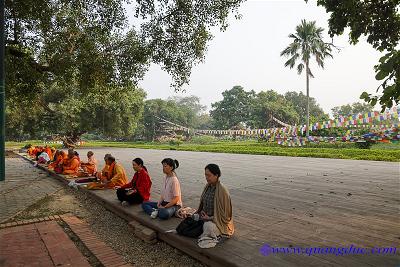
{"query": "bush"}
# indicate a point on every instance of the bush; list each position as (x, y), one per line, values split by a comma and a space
(363, 144)
(203, 140)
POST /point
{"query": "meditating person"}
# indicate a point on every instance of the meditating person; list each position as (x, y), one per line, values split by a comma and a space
(138, 190)
(47, 149)
(90, 167)
(72, 167)
(215, 203)
(43, 158)
(116, 174)
(37, 151)
(171, 199)
(30, 150)
(103, 175)
(59, 158)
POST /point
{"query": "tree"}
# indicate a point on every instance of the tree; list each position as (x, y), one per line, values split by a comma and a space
(233, 109)
(299, 103)
(348, 110)
(270, 103)
(379, 20)
(307, 42)
(85, 48)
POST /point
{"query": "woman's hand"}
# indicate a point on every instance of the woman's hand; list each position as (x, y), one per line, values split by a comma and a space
(204, 216)
(159, 204)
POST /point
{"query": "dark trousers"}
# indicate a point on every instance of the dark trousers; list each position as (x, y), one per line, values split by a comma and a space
(134, 198)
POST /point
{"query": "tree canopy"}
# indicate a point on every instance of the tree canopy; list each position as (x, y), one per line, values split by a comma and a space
(350, 109)
(254, 110)
(77, 63)
(379, 21)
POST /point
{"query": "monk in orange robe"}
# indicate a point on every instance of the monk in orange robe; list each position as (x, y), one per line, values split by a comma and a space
(73, 165)
(103, 174)
(47, 149)
(90, 167)
(116, 176)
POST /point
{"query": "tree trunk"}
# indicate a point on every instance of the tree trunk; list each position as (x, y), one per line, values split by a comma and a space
(308, 102)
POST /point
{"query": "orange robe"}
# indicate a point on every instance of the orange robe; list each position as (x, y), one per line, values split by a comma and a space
(73, 166)
(91, 166)
(118, 175)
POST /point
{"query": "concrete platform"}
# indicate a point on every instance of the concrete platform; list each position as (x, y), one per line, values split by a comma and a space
(282, 202)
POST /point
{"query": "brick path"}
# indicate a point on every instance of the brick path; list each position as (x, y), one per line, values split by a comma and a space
(40, 244)
(24, 185)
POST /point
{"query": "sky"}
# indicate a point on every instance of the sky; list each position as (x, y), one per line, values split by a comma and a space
(248, 54)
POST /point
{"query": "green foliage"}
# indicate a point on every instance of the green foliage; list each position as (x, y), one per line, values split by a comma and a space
(270, 103)
(203, 140)
(379, 21)
(299, 103)
(363, 144)
(183, 111)
(256, 110)
(348, 110)
(307, 43)
(233, 109)
(389, 71)
(73, 66)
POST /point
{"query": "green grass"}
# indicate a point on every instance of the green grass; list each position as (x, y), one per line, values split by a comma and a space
(379, 152)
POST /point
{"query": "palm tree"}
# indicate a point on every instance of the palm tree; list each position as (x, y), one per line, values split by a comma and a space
(307, 42)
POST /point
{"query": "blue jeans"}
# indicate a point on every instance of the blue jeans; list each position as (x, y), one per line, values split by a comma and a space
(163, 213)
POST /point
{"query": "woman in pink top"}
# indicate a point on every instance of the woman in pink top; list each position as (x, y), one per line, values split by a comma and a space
(170, 200)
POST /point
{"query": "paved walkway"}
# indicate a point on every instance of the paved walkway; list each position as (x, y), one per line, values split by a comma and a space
(24, 185)
(40, 244)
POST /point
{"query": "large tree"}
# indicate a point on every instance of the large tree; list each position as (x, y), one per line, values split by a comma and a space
(379, 20)
(307, 43)
(299, 102)
(65, 53)
(350, 109)
(184, 111)
(268, 104)
(235, 108)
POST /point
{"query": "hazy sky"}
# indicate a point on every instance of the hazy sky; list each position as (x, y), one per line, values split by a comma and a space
(247, 54)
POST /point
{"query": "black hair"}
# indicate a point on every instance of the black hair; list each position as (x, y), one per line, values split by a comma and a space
(140, 162)
(106, 156)
(76, 153)
(214, 169)
(171, 162)
(111, 158)
(90, 153)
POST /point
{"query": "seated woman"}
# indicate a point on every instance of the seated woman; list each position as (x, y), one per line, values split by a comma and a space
(215, 203)
(89, 167)
(138, 190)
(171, 199)
(73, 164)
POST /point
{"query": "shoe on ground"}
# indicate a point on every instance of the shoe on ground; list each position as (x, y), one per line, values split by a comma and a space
(154, 214)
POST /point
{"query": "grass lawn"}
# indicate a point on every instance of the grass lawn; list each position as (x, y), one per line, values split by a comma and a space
(380, 151)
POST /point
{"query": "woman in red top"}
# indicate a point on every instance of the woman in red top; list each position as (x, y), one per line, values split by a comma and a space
(138, 190)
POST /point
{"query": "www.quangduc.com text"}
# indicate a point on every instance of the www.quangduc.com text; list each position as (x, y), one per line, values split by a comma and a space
(267, 250)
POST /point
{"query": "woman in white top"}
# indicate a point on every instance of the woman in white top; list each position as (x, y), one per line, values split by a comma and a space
(171, 199)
